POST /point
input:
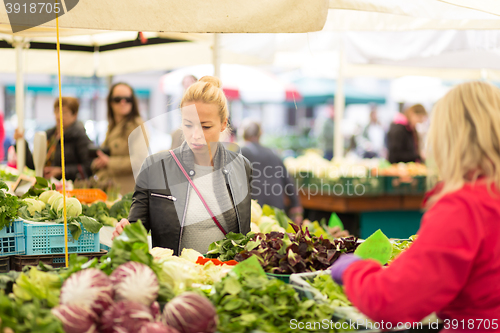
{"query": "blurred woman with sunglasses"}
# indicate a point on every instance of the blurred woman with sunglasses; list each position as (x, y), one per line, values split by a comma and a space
(123, 117)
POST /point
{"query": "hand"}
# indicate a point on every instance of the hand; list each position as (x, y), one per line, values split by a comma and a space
(343, 262)
(101, 161)
(49, 172)
(119, 228)
(336, 232)
(296, 214)
(18, 134)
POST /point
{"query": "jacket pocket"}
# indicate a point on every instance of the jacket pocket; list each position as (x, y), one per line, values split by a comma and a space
(164, 196)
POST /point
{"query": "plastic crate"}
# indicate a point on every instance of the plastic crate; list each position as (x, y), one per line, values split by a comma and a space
(87, 195)
(355, 186)
(48, 238)
(12, 239)
(4, 264)
(18, 262)
(405, 185)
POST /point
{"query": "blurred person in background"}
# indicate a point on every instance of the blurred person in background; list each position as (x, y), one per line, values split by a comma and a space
(325, 133)
(373, 137)
(403, 139)
(123, 118)
(453, 266)
(177, 136)
(76, 144)
(270, 179)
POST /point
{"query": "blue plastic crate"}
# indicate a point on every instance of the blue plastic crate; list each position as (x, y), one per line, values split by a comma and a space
(12, 239)
(43, 238)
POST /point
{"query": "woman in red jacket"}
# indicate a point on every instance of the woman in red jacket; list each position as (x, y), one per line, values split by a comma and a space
(453, 267)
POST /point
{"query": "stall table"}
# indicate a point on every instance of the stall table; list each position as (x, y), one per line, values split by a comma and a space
(398, 216)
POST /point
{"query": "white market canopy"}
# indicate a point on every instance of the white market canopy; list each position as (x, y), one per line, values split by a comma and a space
(201, 16)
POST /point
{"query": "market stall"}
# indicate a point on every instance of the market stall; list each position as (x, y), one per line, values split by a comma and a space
(372, 194)
(239, 285)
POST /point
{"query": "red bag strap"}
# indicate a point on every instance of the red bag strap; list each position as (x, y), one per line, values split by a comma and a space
(198, 192)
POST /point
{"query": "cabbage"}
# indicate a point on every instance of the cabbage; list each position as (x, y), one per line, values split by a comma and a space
(76, 319)
(191, 313)
(256, 211)
(55, 204)
(45, 196)
(73, 207)
(90, 289)
(157, 328)
(211, 273)
(161, 253)
(34, 205)
(178, 274)
(190, 254)
(254, 228)
(266, 224)
(135, 282)
(125, 317)
(53, 198)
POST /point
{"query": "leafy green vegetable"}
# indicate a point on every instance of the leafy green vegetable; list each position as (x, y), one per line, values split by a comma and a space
(283, 253)
(120, 209)
(40, 186)
(9, 204)
(400, 246)
(27, 317)
(5, 175)
(335, 293)
(254, 302)
(100, 212)
(38, 285)
(229, 247)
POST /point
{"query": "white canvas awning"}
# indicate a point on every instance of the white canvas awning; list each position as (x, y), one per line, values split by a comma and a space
(220, 16)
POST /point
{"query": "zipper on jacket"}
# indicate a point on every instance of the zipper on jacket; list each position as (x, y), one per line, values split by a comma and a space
(234, 201)
(183, 218)
(169, 197)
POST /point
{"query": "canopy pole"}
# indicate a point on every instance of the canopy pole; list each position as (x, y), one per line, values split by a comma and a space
(216, 55)
(20, 144)
(339, 104)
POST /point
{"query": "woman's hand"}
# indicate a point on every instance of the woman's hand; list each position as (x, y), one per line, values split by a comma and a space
(50, 171)
(119, 228)
(18, 134)
(336, 232)
(101, 161)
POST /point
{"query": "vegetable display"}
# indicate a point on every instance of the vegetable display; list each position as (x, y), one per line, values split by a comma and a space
(284, 253)
(335, 294)
(90, 289)
(191, 313)
(229, 247)
(256, 303)
(134, 281)
(99, 210)
(9, 204)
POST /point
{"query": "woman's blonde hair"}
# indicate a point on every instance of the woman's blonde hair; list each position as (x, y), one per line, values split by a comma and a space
(207, 90)
(464, 137)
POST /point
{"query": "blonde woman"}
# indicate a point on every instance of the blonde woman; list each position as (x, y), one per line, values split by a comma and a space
(193, 195)
(123, 118)
(453, 267)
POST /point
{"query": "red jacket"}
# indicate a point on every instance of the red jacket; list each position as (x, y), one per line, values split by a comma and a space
(453, 267)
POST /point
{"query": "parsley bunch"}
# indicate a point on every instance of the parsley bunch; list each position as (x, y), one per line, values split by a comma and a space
(9, 204)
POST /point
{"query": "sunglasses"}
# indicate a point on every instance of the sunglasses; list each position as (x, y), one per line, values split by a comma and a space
(118, 99)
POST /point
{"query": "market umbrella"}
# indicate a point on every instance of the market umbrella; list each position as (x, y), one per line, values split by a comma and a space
(248, 84)
(316, 91)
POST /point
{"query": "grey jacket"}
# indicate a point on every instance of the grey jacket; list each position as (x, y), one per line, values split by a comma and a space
(161, 194)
